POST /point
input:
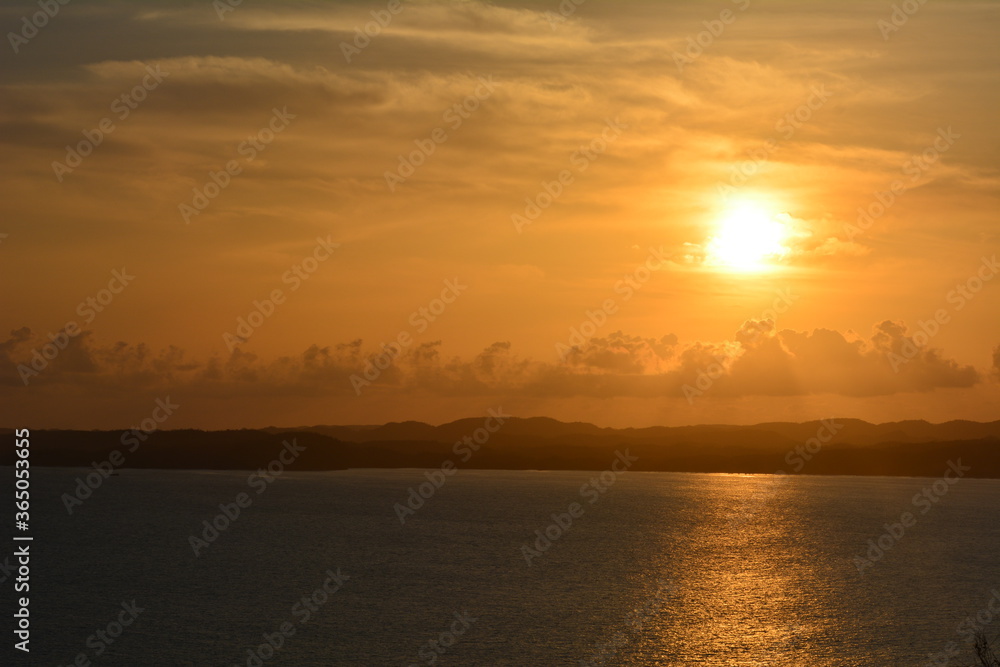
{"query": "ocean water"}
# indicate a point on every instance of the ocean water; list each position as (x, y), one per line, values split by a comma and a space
(655, 569)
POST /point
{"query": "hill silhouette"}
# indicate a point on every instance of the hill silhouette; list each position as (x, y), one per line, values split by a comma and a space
(909, 448)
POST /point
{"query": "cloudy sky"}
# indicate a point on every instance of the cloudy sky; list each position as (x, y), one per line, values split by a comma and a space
(627, 213)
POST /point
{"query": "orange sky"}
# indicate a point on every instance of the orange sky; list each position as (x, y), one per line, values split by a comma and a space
(715, 296)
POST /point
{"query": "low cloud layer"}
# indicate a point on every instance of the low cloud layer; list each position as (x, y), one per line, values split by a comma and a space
(758, 361)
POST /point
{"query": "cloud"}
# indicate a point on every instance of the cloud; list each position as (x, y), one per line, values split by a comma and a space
(759, 361)
(623, 354)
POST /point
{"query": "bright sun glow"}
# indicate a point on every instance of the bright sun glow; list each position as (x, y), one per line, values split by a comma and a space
(747, 237)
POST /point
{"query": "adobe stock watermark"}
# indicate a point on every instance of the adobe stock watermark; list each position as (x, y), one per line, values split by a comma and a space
(970, 625)
(302, 611)
(218, 181)
(88, 310)
(969, 628)
(592, 490)
(959, 297)
(420, 320)
(627, 288)
(7, 570)
(22, 584)
(580, 160)
(260, 480)
(985, 616)
(713, 30)
(436, 477)
(899, 17)
(633, 624)
(802, 454)
(223, 7)
(707, 376)
(565, 10)
(786, 126)
(135, 436)
(914, 168)
(262, 311)
(122, 107)
(106, 636)
(48, 9)
(432, 649)
(925, 500)
(363, 35)
(455, 116)
(797, 458)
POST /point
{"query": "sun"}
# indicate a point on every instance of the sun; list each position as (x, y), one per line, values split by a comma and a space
(748, 237)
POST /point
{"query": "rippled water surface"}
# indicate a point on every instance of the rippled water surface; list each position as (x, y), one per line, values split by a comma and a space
(661, 569)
